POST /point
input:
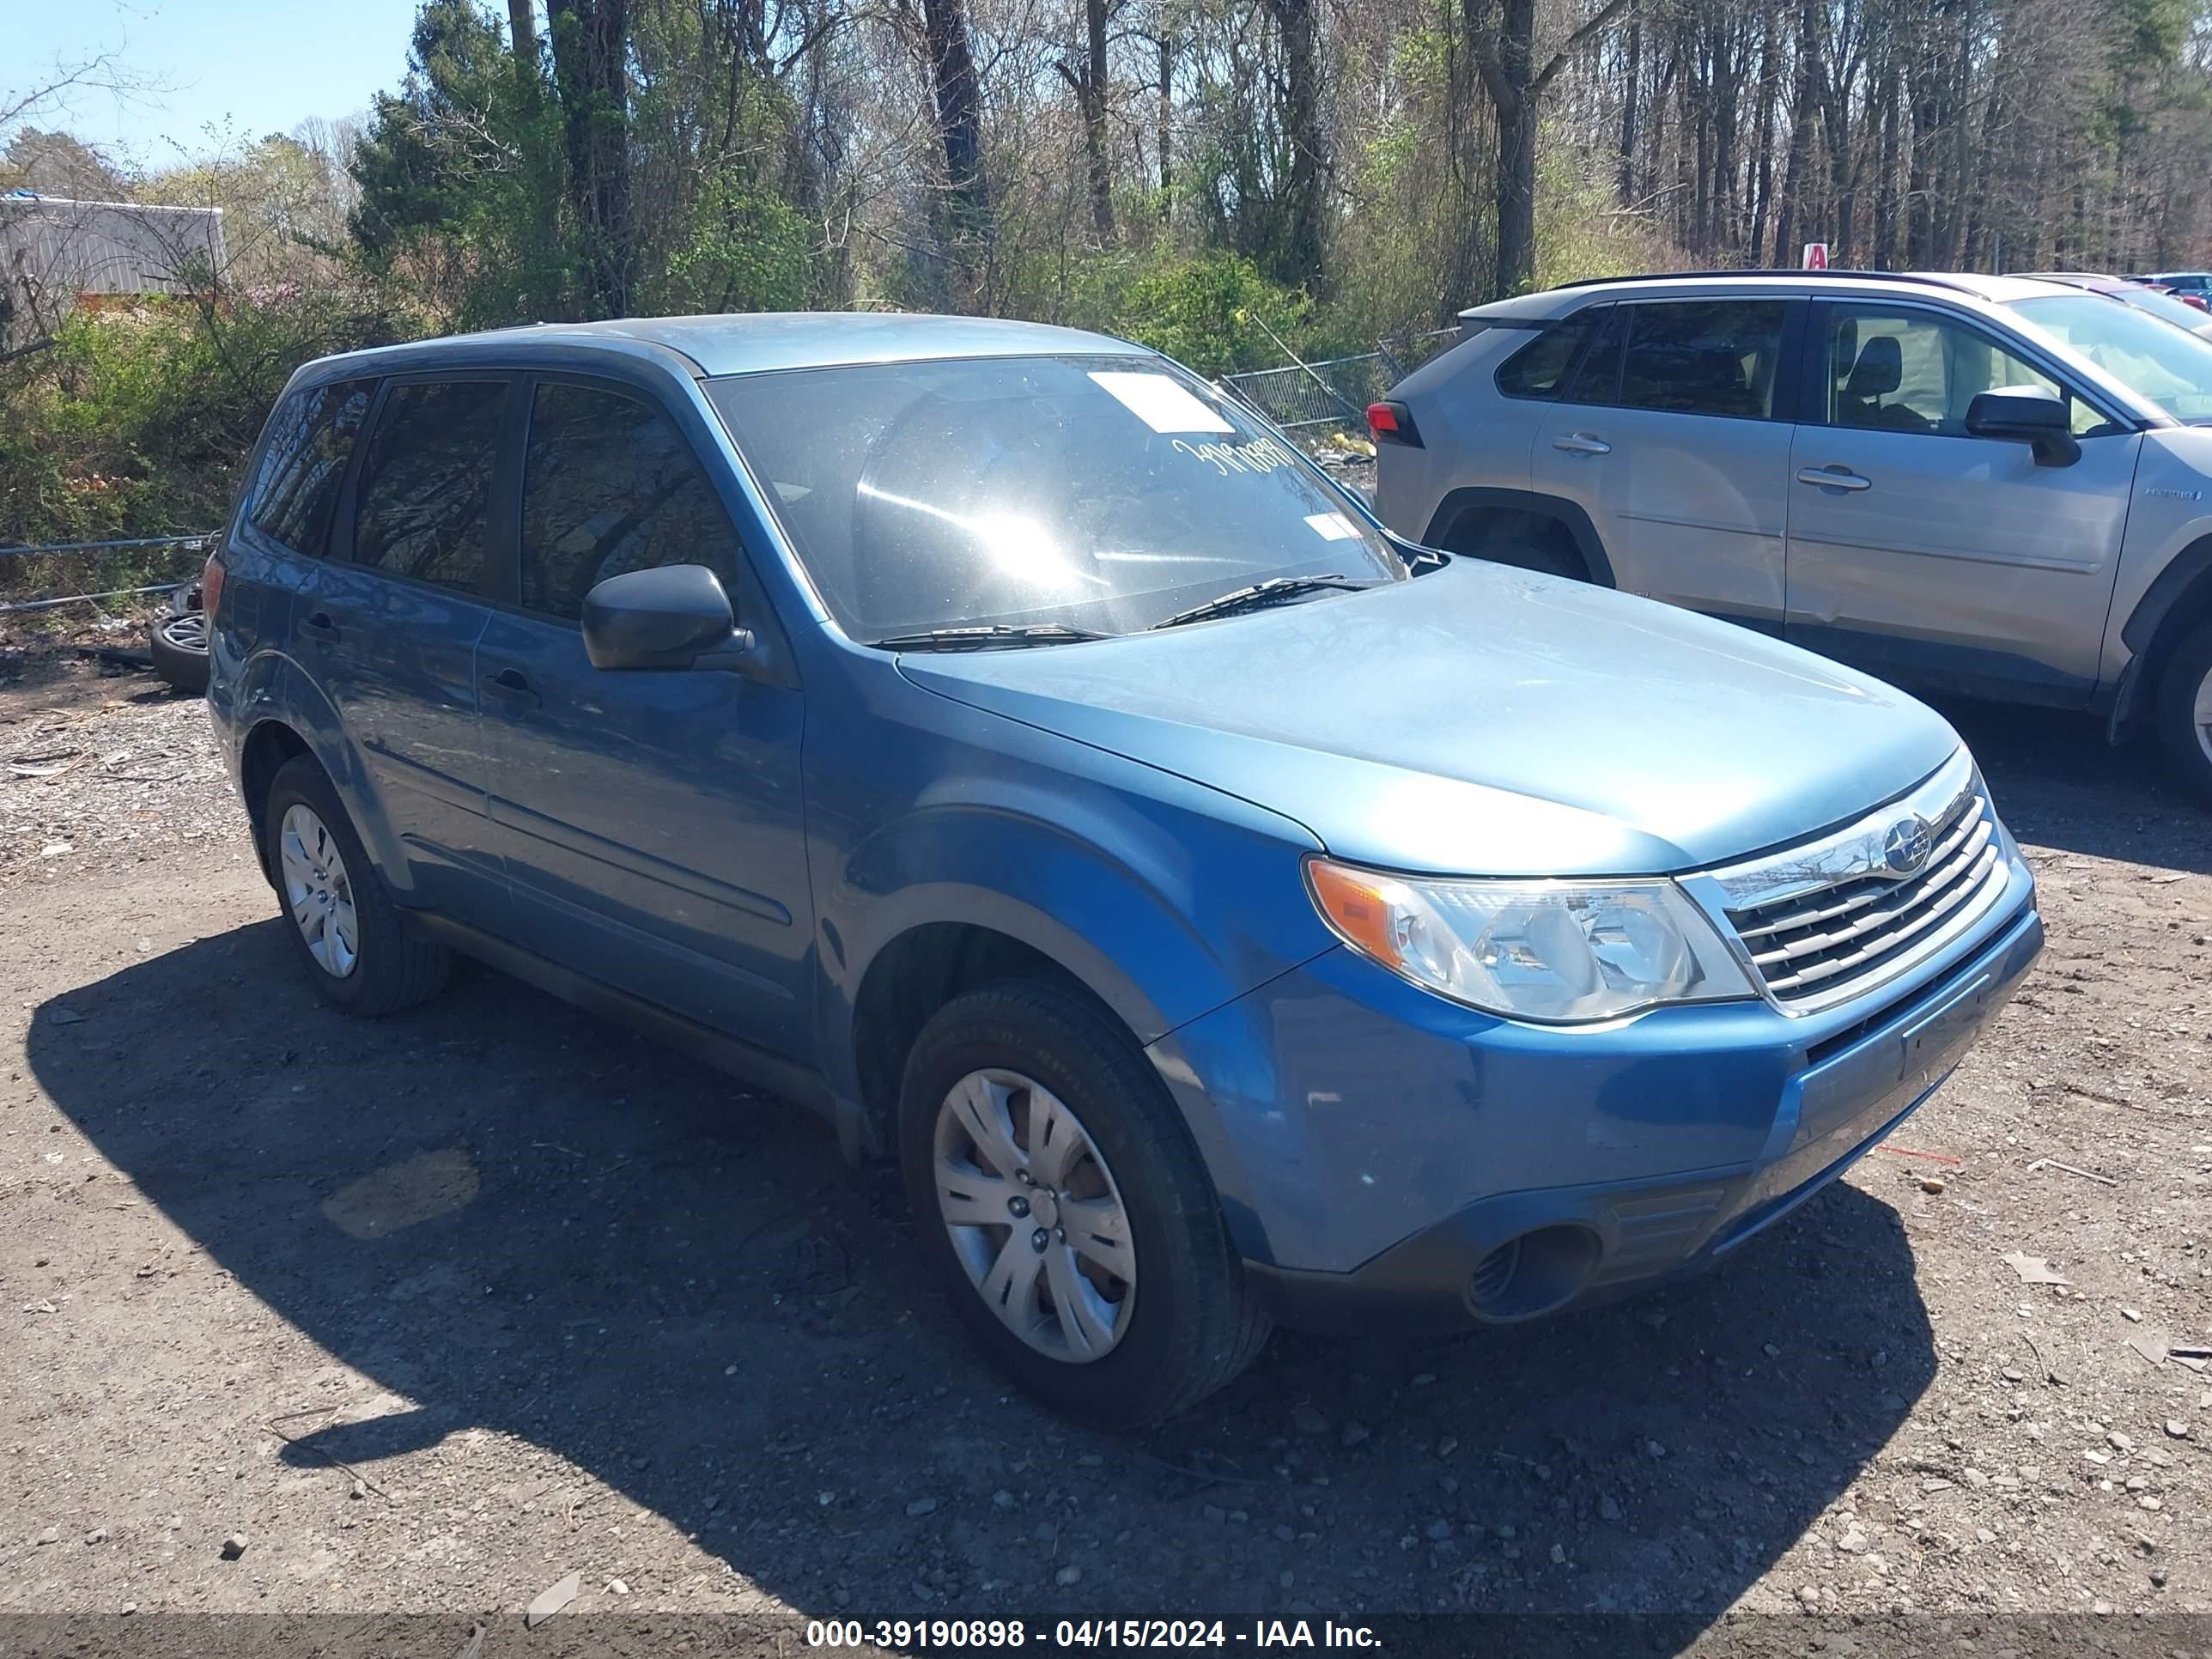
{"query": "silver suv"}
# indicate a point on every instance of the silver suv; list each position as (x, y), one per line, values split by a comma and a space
(1986, 484)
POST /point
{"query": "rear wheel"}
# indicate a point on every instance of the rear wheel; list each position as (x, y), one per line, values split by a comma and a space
(1523, 539)
(1064, 1210)
(343, 925)
(2184, 712)
(1551, 559)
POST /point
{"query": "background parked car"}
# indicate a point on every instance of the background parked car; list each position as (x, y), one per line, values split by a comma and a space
(1992, 484)
(2193, 286)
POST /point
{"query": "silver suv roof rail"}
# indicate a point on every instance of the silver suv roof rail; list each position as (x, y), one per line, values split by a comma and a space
(1854, 276)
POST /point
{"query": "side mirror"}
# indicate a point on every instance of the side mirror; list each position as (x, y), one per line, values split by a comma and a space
(668, 617)
(2029, 415)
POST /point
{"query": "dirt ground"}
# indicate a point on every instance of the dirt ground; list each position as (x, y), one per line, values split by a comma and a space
(431, 1312)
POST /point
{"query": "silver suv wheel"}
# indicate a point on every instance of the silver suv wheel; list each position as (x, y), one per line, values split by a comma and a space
(318, 892)
(2202, 714)
(1034, 1216)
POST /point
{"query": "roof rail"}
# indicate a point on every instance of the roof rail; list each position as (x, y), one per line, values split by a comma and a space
(1855, 276)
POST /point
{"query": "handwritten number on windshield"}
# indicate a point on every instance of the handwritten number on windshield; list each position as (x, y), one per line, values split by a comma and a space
(1260, 455)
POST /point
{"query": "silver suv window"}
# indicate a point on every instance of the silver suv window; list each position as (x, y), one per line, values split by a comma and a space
(1703, 357)
(1904, 368)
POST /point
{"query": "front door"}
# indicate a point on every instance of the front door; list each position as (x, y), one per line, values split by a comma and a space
(650, 820)
(1920, 552)
(1667, 436)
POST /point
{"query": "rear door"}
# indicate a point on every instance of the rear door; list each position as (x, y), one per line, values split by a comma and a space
(650, 820)
(1668, 436)
(388, 630)
(1918, 551)
(277, 545)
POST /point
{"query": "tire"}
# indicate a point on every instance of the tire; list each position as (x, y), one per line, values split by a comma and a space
(2184, 705)
(1185, 1322)
(177, 645)
(373, 967)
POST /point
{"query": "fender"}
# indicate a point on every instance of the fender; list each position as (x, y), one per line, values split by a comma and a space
(272, 686)
(1573, 518)
(1098, 878)
(2180, 591)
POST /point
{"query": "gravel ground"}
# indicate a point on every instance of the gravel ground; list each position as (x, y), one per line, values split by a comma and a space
(427, 1313)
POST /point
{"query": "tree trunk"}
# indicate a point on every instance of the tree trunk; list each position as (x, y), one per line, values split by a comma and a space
(1517, 146)
(966, 221)
(1507, 57)
(1300, 258)
(1093, 90)
(1632, 85)
(1791, 222)
(1166, 138)
(591, 62)
(1762, 197)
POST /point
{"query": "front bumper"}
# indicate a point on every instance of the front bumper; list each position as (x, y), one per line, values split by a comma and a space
(1388, 1161)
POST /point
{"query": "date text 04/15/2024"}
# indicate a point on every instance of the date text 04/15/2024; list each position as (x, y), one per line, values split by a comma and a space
(915, 1635)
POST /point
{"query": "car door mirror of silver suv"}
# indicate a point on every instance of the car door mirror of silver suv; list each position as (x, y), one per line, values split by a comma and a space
(2026, 414)
(676, 616)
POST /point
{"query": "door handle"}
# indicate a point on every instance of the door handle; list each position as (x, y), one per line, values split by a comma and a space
(1583, 443)
(512, 685)
(320, 625)
(1833, 477)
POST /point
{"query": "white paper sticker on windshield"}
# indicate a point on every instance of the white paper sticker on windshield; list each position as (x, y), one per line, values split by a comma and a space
(1332, 527)
(1160, 403)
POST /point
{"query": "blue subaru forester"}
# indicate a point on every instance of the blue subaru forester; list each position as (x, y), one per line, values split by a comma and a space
(998, 740)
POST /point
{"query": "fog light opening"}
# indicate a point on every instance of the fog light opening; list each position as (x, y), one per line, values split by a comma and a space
(1533, 1274)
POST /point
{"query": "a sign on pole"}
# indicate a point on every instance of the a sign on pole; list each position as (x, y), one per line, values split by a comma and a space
(1816, 255)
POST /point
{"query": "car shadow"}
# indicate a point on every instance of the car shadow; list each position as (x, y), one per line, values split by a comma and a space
(2060, 783)
(509, 1216)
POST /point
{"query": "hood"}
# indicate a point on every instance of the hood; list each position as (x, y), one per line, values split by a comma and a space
(1483, 722)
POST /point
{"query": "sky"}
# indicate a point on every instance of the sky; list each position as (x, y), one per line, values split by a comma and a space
(262, 66)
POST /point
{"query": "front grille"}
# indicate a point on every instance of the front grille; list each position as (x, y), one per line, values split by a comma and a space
(1820, 942)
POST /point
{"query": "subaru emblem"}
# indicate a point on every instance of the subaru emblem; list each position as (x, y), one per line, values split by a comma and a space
(1905, 847)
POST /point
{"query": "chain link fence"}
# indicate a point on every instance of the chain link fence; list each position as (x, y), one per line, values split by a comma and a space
(59, 574)
(1336, 391)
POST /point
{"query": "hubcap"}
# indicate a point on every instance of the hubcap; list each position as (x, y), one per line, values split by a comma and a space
(1034, 1216)
(2201, 714)
(317, 890)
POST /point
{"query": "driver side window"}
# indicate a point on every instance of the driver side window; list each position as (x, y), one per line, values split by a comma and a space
(1902, 370)
(609, 485)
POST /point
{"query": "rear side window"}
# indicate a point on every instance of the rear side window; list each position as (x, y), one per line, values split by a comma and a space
(303, 464)
(1537, 370)
(1598, 379)
(609, 485)
(425, 494)
(1703, 357)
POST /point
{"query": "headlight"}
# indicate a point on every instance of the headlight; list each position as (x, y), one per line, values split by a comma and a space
(1555, 951)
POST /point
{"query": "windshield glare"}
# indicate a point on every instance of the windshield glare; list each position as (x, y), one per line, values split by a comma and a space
(2169, 366)
(1097, 492)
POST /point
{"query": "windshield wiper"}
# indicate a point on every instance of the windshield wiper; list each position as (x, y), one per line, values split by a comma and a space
(1257, 596)
(985, 634)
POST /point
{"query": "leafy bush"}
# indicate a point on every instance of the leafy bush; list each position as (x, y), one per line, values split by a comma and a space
(134, 423)
(1213, 312)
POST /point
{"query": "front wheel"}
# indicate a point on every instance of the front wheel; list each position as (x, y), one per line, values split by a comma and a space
(2184, 713)
(1064, 1210)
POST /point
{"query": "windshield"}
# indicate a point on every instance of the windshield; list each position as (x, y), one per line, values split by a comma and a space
(1104, 494)
(2171, 366)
